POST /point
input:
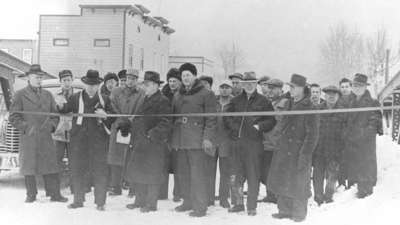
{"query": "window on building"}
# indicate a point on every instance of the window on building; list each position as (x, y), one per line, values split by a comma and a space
(5, 50)
(61, 42)
(102, 43)
(130, 55)
(141, 59)
(27, 54)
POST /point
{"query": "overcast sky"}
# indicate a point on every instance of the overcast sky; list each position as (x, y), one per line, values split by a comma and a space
(278, 37)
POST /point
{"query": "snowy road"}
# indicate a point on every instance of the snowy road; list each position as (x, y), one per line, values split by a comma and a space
(380, 208)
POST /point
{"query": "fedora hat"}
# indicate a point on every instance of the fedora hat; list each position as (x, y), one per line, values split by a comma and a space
(360, 79)
(92, 77)
(331, 88)
(152, 76)
(35, 69)
(249, 77)
(298, 80)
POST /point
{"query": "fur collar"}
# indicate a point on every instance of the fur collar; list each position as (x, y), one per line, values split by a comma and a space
(196, 87)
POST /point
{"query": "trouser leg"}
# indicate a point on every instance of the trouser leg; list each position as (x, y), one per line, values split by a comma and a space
(318, 177)
(285, 205)
(116, 177)
(224, 178)
(183, 172)
(163, 190)
(299, 210)
(237, 175)
(253, 160)
(174, 156)
(331, 178)
(153, 191)
(30, 185)
(265, 168)
(52, 181)
(140, 191)
(211, 175)
(100, 174)
(365, 187)
(79, 184)
(198, 179)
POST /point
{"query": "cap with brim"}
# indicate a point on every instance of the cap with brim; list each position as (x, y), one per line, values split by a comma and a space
(263, 79)
(132, 72)
(331, 89)
(236, 75)
(275, 83)
(92, 78)
(153, 77)
(225, 83)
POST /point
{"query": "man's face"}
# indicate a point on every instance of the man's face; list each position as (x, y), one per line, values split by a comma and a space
(296, 91)
(225, 90)
(91, 89)
(331, 97)
(188, 78)
(122, 81)
(174, 83)
(66, 82)
(345, 88)
(236, 83)
(359, 89)
(150, 87)
(274, 91)
(131, 81)
(35, 80)
(249, 87)
(264, 88)
(315, 93)
(205, 84)
(111, 84)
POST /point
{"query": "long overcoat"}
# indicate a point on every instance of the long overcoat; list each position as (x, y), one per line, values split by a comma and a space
(124, 100)
(148, 162)
(37, 154)
(360, 140)
(290, 172)
(189, 132)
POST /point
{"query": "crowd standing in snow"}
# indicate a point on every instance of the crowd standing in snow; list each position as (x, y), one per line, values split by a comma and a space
(286, 153)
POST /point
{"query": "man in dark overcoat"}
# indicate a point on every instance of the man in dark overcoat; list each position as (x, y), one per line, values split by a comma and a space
(193, 137)
(290, 173)
(247, 146)
(327, 155)
(89, 140)
(147, 166)
(38, 155)
(360, 138)
(124, 100)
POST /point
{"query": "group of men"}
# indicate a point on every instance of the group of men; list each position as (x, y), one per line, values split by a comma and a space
(159, 135)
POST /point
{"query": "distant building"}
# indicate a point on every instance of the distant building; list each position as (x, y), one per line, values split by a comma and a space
(104, 37)
(204, 66)
(24, 49)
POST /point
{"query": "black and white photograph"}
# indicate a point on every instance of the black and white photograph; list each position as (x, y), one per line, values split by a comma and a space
(191, 112)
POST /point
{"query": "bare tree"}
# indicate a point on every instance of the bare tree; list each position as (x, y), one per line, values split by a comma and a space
(342, 53)
(231, 58)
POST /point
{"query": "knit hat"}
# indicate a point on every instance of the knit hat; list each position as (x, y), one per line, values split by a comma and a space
(174, 73)
(189, 67)
(110, 76)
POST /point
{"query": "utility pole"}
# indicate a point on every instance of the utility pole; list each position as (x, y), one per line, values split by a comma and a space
(387, 66)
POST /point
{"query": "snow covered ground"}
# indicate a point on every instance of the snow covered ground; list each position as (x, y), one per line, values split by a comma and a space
(380, 208)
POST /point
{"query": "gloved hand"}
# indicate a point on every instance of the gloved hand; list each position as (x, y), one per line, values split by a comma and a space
(125, 128)
(209, 148)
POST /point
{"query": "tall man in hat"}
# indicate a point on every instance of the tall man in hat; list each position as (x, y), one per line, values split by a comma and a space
(193, 137)
(360, 138)
(327, 155)
(38, 155)
(124, 100)
(89, 140)
(169, 90)
(290, 172)
(247, 135)
(147, 167)
(280, 102)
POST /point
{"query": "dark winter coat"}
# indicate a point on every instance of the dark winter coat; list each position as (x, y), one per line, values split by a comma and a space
(290, 171)
(37, 155)
(223, 140)
(124, 100)
(189, 132)
(148, 162)
(271, 138)
(167, 92)
(330, 142)
(89, 141)
(243, 126)
(360, 139)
